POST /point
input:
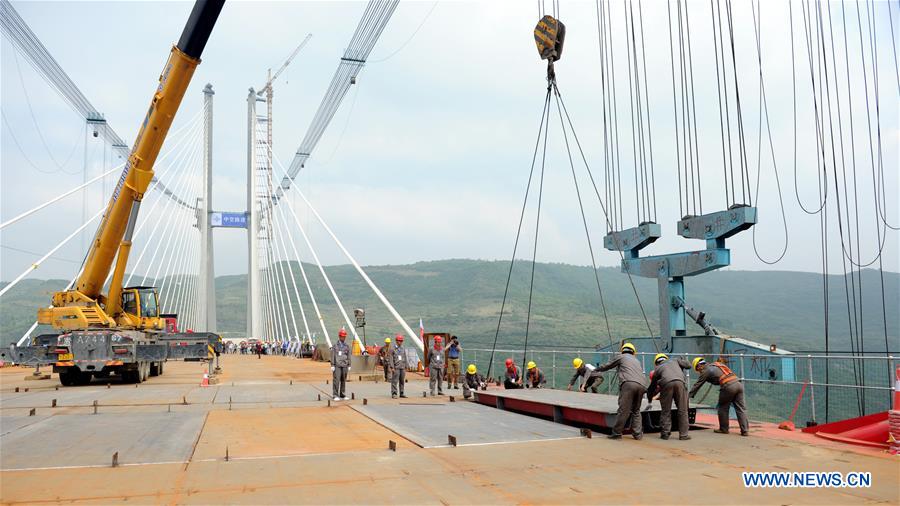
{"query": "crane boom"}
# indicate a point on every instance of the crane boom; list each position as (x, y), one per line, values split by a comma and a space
(81, 307)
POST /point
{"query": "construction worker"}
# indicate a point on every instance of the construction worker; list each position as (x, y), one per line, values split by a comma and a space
(669, 378)
(453, 356)
(731, 393)
(472, 381)
(513, 378)
(632, 387)
(535, 376)
(340, 366)
(436, 366)
(397, 363)
(590, 376)
(383, 358)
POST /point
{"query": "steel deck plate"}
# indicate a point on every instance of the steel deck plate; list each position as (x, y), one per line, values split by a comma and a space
(429, 424)
(91, 440)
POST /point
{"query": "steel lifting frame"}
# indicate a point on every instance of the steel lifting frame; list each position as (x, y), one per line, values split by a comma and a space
(670, 270)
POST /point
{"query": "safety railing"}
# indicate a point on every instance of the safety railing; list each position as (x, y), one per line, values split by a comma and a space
(822, 387)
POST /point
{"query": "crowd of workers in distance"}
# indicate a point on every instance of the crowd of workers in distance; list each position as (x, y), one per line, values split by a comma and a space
(284, 348)
(666, 382)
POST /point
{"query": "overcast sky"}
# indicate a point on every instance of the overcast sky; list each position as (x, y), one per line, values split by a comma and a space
(428, 156)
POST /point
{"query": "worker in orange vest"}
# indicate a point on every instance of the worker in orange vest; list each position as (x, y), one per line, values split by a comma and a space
(731, 393)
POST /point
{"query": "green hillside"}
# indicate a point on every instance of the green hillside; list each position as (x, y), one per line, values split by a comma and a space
(463, 296)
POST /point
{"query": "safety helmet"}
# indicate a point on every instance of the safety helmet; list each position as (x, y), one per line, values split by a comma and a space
(399, 338)
(698, 362)
(531, 365)
(342, 333)
(577, 363)
(509, 362)
(628, 347)
(471, 369)
(438, 339)
(660, 357)
(387, 340)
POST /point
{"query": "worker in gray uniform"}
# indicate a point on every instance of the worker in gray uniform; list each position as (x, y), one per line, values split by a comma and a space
(632, 387)
(397, 359)
(340, 366)
(669, 378)
(436, 366)
(731, 393)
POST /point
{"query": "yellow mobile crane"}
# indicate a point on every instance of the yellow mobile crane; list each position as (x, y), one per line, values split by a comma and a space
(121, 332)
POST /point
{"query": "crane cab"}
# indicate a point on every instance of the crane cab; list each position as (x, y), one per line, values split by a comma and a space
(140, 307)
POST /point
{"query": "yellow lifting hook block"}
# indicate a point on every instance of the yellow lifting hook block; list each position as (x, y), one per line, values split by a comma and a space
(549, 35)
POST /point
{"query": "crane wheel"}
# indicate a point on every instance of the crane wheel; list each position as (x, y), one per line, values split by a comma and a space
(69, 377)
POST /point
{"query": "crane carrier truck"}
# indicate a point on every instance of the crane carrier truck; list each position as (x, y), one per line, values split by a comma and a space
(121, 332)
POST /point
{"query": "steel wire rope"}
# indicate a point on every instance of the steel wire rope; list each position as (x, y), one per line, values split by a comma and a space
(38, 128)
(682, 202)
(277, 272)
(637, 157)
(647, 97)
(182, 276)
(284, 252)
(873, 44)
(59, 197)
(851, 314)
(859, 263)
(175, 251)
(544, 111)
(179, 160)
(35, 265)
(693, 105)
(309, 290)
(411, 37)
(174, 247)
(583, 218)
(725, 160)
(537, 228)
(608, 166)
(742, 143)
(605, 214)
(182, 158)
(328, 283)
(875, 171)
(642, 148)
(168, 231)
(879, 218)
(757, 29)
(274, 240)
(615, 109)
(823, 199)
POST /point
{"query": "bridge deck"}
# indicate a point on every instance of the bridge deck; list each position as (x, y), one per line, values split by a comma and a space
(285, 446)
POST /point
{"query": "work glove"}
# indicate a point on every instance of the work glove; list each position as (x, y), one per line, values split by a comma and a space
(332, 368)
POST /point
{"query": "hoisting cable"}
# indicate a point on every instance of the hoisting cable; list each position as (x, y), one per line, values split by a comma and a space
(544, 110)
(583, 217)
(605, 213)
(757, 28)
(551, 78)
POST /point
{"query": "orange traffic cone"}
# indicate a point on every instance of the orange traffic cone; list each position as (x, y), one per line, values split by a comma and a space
(205, 381)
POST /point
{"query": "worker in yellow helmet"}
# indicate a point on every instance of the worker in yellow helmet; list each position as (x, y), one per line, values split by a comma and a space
(472, 381)
(632, 387)
(590, 376)
(383, 358)
(731, 393)
(668, 376)
(534, 376)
